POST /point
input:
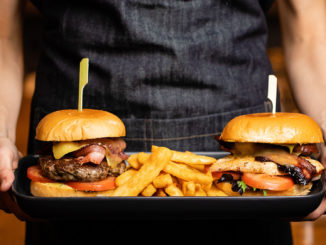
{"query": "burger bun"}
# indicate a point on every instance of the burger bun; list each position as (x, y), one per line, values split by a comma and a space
(73, 125)
(277, 128)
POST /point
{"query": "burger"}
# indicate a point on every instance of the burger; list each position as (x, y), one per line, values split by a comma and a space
(81, 154)
(270, 155)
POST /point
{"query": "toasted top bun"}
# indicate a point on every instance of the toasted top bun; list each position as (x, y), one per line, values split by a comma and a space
(278, 128)
(72, 125)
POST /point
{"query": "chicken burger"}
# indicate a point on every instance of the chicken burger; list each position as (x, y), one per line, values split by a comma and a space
(270, 155)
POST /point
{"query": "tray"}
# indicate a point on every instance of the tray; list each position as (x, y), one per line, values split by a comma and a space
(119, 208)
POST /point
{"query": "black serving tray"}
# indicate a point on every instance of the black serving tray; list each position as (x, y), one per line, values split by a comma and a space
(119, 208)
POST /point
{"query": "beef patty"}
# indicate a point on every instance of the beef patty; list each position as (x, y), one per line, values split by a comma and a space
(69, 169)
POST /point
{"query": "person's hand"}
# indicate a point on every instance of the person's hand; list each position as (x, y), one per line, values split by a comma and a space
(9, 157)
(322, 207)
(9, 205)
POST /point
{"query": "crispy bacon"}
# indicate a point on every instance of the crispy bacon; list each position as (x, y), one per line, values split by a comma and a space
(306, 149)
(90, 153)
(115, 148)
(96, 150)
(299, 168)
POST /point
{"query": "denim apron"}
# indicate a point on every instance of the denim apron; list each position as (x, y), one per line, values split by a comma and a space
(174, 71)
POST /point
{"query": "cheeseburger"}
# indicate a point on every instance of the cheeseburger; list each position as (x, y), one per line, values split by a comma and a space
(81, 153)
(270, 155)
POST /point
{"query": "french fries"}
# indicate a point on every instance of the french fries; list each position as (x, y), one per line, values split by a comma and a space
(162, 181)
(146, 174)
(200, 191)
(191, 158)
(165, 172)
(123, 178)
(148, 191)
(189, 188)
(160, 193)
(133, 161)
(173, 190)
(214, 191)
(142, 157)
(184, 172)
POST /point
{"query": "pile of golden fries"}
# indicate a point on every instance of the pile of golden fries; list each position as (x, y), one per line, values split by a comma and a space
(165, 172)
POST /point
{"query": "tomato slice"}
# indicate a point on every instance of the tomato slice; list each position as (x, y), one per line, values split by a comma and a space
(34, 173)
(101, 185)
(268, 182)
(218, 175)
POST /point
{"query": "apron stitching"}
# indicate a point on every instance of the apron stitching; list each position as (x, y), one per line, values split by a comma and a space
(218, 114)
(175, 138)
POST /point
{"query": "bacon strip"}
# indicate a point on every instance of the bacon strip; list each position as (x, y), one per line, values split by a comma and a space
(90, 153)
(96, 150)
(306, 149)
(297, 167)
(115, 148)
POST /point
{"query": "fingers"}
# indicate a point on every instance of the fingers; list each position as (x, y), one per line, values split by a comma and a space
(6, 170)
(6, 178)
(8, 201)
(20, 155)
(14, 164)
(3, 205)
(318, 212)
(15, 160)
(9, 157)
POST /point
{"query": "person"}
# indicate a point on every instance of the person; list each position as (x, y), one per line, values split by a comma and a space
(174, 71)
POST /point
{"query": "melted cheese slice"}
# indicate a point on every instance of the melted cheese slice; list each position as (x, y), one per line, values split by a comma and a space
(290, 147)
(63, 148)
(111, 162)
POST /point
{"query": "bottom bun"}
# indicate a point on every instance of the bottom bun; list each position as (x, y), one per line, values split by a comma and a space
(61, 190)
(296, 190)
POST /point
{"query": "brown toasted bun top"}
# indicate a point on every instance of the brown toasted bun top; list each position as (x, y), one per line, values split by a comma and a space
(71, 125)
(278, 128)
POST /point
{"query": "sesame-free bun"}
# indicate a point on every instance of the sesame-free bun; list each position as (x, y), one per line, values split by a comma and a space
(278, 128)
(72, 125)
(40, 189)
